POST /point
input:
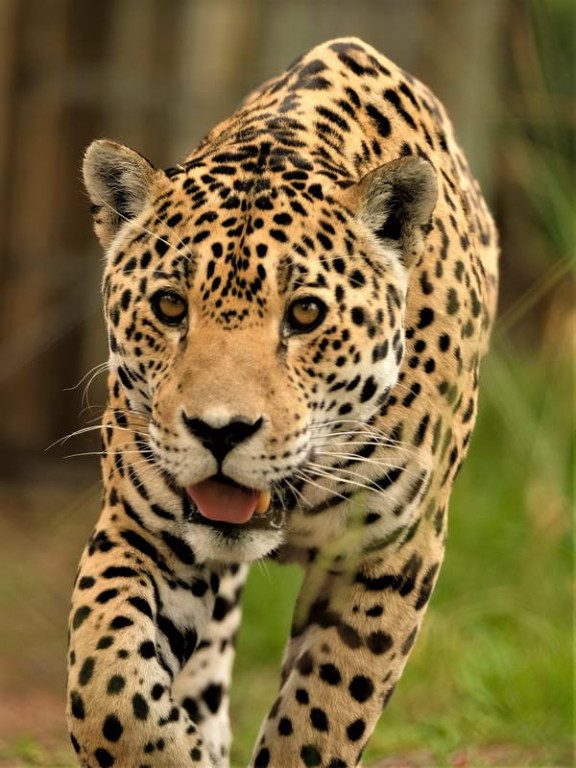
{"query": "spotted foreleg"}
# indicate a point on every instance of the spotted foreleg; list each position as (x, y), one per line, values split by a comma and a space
(133, 625)
(352, 634)
(203, 685)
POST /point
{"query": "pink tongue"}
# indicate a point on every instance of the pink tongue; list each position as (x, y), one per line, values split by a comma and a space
(226, 503)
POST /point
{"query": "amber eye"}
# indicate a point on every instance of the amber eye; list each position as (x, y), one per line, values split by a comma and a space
(305, 314)
(169, 307)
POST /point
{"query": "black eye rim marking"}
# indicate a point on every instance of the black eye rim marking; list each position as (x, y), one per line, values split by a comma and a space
(293, 326)
(175, 298)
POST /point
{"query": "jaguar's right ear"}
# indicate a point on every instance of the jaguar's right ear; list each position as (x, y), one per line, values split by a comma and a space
(395, 202)
(118, 181)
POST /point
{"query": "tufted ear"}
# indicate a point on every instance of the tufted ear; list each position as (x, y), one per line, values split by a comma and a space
(396, 201)
(118, 182)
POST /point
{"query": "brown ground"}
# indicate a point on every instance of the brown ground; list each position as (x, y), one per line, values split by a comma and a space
(39, 718)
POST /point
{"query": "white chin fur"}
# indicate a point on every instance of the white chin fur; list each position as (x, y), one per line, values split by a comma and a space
(210, 544)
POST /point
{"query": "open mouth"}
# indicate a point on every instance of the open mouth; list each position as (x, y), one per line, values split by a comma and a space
(221, 500)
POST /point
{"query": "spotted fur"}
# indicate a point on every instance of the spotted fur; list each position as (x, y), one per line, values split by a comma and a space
(341, 180)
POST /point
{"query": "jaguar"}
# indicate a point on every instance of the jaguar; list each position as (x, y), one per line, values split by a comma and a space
(296, 317)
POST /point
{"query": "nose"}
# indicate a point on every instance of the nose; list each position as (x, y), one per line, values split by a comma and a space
(221, 440)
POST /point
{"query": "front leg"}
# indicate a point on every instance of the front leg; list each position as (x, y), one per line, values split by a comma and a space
(135, 621)
(202, 687)
(354, 627)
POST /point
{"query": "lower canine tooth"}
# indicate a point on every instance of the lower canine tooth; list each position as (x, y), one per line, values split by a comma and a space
(263, 502)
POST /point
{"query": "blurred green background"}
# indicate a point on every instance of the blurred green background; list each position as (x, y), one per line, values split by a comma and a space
(490, 681)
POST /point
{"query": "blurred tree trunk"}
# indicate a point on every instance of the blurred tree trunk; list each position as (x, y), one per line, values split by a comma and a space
(55, 43)
(461, 62)
(36, 173)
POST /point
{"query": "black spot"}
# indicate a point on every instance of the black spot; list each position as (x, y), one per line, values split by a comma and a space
(426, 587)
(409, 642)
(283, 219)
(106, 595)
(412, 395)
(316, 191)
(140, 544)
(141, 605)
(160, 512)
(380, 121)
(349, 635)
(104, 758)
(115, 684)
(77, 705)
(356, 730)
(444, 342)
(86, 582)
(285, 726)
(199, 587)
(262, 759)
(112, 728)
(361, 688)
(105, 642)
(125, 301)
(334, 118)
(356, 279)
(191, 707)
(119, 571)
(222, 608)
(426, 317)
(318, 719)
(147, 649)
(403, 582)
(176, 219)
(212, 696)
(161, 246)
(301, 696)
(305, 664)
(330, 674)
(468, 412)
(85, 674)
(387, 696)
(120, 622)
(310, 756)
(278, 235)
(181, 644)
(391, 477)
(392, 97)
(452, 304)
(157, 691)
(368, 390)
(80, 616)
(421, 430)
(140, 707)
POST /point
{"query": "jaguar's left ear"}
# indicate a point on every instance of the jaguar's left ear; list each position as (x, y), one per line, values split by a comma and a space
(395, 202)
